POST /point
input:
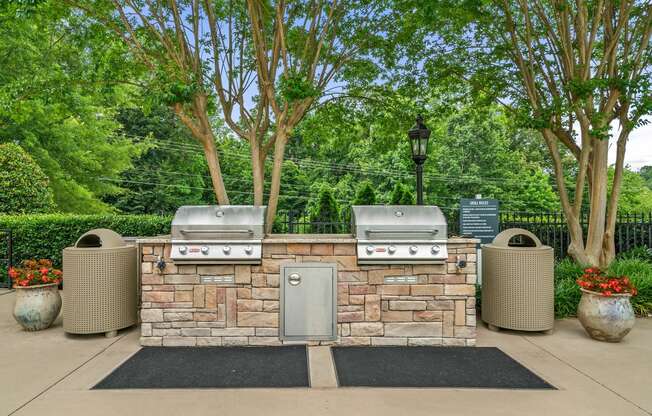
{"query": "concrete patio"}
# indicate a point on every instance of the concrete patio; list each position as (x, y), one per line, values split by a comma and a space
(50, 373)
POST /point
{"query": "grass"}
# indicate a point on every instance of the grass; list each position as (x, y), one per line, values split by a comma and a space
(635, 264)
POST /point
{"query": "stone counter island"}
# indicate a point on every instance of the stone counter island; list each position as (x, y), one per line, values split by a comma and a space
(211, 305)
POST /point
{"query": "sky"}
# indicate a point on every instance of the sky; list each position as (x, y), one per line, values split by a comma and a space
(639, 148)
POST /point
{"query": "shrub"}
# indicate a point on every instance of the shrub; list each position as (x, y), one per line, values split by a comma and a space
(24, 188)
(639, 253)
(567, 292)
(46, 235)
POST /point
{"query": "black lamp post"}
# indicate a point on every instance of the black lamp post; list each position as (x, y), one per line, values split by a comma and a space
(419, 135)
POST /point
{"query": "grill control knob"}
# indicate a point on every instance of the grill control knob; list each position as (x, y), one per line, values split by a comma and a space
(370, 249)
(183, 250)
(249, 250)
(435, 249)
(391, 249)
(204, 250)
(226, 249)
(414, 249)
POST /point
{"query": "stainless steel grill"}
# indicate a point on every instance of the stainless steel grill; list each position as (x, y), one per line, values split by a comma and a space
(400, 234)
(218, 234)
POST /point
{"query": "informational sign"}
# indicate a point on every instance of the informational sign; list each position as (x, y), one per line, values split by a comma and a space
(479, 218)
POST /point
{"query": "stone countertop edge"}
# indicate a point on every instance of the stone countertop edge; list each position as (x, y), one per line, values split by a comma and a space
(303, 239)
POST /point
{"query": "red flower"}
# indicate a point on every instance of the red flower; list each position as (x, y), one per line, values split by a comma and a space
(23, 282)
(44, 279)
(13, 273)
(607, 292)
(44, 270)
(56, 272)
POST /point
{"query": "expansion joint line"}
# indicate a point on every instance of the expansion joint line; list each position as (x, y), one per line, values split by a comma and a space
(118, 338)
(586, 375)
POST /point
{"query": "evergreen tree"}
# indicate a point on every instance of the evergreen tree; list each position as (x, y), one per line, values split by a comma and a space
(325, 211)
(366, 194)
(402, 195)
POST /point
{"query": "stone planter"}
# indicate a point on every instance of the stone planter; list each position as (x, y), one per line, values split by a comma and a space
(37, 306)
(606, 318)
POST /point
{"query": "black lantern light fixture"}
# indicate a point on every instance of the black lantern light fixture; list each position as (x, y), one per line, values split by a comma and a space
(419, 135)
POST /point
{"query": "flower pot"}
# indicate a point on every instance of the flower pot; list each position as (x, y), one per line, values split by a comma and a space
(37, 306)
(606, 318)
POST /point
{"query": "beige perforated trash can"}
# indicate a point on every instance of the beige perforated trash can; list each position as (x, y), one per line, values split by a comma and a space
(99, 284)
(518, 282)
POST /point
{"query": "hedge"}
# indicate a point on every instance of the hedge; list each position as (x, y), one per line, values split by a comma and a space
(46, 235)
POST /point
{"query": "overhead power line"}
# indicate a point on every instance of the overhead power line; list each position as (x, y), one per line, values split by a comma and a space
(363, 171)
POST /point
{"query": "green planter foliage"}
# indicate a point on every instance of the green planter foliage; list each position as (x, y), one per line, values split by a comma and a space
(24, 188)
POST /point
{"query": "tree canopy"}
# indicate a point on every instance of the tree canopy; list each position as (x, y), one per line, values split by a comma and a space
(58, 98)
(140, 107)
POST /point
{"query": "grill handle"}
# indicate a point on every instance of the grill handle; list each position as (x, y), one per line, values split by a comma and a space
(185, 231)
(395, 231)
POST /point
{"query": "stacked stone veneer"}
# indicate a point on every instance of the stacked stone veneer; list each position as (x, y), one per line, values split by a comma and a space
(177, 310)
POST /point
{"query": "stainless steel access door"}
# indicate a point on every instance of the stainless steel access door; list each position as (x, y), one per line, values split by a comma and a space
(309, 302)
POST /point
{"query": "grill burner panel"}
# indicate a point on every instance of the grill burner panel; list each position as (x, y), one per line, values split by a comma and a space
(211, 253)
(225, 234)
(398, 234)
(374, 252)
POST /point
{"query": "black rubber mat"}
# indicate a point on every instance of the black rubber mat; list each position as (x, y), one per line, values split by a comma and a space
(473, 367)
(211, 367)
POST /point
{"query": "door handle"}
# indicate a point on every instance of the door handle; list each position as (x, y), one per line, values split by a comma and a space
(294, 279)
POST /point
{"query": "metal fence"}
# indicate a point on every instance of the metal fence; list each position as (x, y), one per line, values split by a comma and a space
(632, 230)
(6, 256)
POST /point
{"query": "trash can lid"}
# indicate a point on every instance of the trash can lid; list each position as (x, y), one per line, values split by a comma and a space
(503, 238)
(100, 238)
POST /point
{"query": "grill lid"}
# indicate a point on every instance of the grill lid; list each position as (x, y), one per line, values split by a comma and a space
(219, 222)
(399, 222)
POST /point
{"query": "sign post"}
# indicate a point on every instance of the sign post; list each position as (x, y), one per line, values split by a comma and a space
(479, 218)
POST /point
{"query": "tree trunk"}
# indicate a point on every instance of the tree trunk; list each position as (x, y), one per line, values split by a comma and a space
(210, 152)
(598, 201)
(576, 247)
(258, 170)
(203, 133)
(279, 154)
(608, 243)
